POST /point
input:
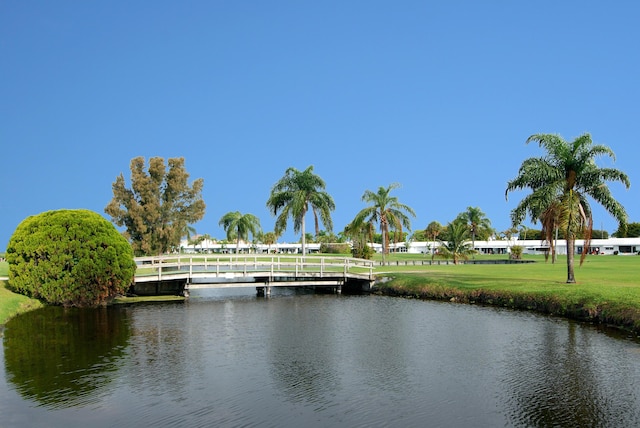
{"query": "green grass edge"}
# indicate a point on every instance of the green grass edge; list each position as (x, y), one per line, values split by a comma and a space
(580, 306)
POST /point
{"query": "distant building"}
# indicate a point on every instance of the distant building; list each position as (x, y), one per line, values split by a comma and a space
(610, 246)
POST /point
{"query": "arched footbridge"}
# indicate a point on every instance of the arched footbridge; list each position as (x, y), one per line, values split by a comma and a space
(177, 274)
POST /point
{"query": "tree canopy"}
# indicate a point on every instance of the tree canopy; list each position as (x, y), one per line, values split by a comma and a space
(159, 206)
(293, 195)
(238, 226)
(454, 242)
(629, 230)
(70, 258)
(385, 210)
(477, 222)
(561, 184)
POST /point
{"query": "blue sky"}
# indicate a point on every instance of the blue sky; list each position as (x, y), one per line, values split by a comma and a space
(437, 96)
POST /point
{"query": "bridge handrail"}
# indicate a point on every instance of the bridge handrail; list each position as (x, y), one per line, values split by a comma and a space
(241, 263)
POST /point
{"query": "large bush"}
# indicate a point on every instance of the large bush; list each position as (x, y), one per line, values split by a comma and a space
(70, 258)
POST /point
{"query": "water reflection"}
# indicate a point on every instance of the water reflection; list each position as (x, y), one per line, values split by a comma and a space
(563, 377)
(62, 357)
(224, 359)
(303, 371)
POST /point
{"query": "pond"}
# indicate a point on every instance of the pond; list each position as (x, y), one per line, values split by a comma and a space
(229, 358)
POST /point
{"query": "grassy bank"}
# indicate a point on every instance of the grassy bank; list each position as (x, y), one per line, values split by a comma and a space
(607, 292)
(12, 304)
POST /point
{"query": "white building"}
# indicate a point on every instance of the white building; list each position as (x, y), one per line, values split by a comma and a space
(598, 246)
(621, 246)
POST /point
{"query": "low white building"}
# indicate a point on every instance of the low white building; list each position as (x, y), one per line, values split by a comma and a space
(621, 246)
(597, 246)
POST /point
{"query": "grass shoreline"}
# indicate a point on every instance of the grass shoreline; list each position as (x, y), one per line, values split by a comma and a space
(416, 286)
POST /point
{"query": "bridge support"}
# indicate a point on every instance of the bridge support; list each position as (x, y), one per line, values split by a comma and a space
(265, 290)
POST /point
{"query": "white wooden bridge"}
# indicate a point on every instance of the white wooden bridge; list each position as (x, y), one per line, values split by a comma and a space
(177, 274)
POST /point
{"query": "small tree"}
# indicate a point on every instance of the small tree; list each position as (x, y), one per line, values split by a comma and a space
(158, 208)
(69, 258)
(456, 244)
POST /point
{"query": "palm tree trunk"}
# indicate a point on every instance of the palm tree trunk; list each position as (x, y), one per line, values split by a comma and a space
(571, 243)
(473, 243)
(302, 228)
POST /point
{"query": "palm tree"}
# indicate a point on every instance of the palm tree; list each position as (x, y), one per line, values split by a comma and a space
(387, 211)
(476, 220)
(432, 231)
(456, 245)
(293, 195)
(238, 226)
(561, 183)
(269, 238)
(360, 234)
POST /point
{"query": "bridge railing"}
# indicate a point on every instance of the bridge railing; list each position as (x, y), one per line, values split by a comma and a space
(219, 264)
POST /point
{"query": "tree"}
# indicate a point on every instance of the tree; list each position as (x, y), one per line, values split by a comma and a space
(455, 244)
(630, 230)
(69, 258)
(561, 184)
(238, 226)
(159, 206)
(477, 222)
(360, 234)
(269, 238)
(385, 210)
(433, 230)
(293, 195)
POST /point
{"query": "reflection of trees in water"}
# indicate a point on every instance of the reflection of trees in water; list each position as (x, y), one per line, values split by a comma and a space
(566, 380)
(60, 357)
(301, 352)
(160, 353)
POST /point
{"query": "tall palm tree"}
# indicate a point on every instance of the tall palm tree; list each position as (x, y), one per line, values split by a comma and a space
(455, 244)
(476, 220)
(385, 210)
(561, 184)
(238, 226)
(293, 195)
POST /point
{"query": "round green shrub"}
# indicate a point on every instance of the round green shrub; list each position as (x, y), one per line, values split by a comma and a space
(69, 258)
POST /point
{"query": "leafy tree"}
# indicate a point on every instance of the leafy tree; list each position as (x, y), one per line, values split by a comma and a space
(69, 258)
(455, 242)
(293, 195)
(238, 226)
(561, 183)
(159, 205)
(385, 210)
(630, 230)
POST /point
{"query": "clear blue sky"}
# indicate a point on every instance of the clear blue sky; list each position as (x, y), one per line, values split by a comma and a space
(437, 96)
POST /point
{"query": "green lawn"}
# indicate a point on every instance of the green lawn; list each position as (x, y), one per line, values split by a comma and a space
(12, 304)
(607, 288)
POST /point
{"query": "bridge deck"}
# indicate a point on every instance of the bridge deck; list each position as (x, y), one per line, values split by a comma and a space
(224, 271)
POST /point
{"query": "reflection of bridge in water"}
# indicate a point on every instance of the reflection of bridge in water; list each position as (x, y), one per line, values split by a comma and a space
(177, 274)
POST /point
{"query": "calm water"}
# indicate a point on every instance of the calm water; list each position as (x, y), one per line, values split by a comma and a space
(225, 359)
